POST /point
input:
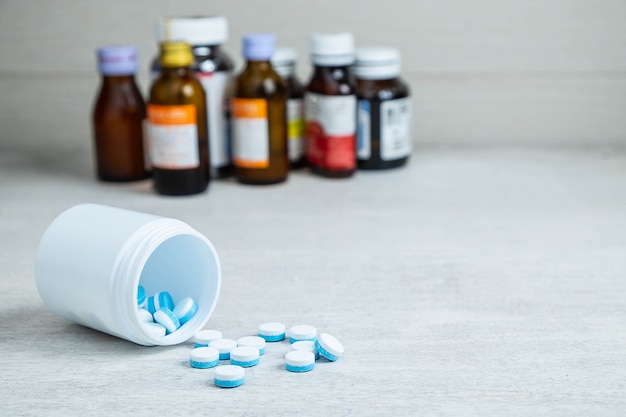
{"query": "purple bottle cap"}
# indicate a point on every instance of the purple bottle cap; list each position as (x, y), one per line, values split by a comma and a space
(117, 60)
(258, 46)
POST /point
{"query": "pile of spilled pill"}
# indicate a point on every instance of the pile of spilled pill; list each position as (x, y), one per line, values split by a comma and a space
(306, 347)
(159, 316)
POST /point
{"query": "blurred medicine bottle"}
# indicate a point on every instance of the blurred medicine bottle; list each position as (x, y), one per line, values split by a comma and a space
(284, 63)
(213, 68)
(177, 125)
(118, 118)
(259, 116)
(384, 134)
(330, 106)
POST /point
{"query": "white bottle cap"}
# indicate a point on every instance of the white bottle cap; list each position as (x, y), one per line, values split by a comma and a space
(377, 63)
(200, 30)
(332, 49)
(283, 60)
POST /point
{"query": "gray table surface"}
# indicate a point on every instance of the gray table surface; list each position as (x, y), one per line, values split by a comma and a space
(471, 282)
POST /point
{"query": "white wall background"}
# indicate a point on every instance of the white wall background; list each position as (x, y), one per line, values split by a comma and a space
(482, 72)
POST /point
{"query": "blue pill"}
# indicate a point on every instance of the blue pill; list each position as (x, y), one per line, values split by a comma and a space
(204, 357)
(141, 296)
(229, 376)
(299, 361)
(160, 300)
(167, 319)
(185, 309)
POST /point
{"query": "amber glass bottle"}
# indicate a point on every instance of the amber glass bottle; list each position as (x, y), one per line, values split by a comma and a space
(118, 117)
(259, 116)
(330, 106)
(284, 62)
(177, 125)
(213, 68)
(384, 134)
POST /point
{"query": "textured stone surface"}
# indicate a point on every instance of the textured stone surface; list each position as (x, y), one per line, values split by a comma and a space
(472, 282)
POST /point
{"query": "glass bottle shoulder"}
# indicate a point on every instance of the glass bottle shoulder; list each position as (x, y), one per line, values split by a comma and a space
(332, 81)
(176, 86)
(259, 80)
(382, 89)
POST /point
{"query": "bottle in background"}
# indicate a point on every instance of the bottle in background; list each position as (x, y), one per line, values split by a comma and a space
(330, 106)
(177, 125)
(118, 117)
(284, 63)
(259, 116)
(213, 68)
(384, 134)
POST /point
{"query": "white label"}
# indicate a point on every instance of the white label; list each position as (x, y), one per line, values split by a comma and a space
(395, 129)
(364, 136)
(251, 145)
(295, 128)
(174, 146)
(215, 84)
(336, 114)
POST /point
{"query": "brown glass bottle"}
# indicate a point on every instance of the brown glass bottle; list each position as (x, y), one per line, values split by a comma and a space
(330, 106)
(259, 117)
(384, 137)
(284, 62)
(178, 125)
(118, 117)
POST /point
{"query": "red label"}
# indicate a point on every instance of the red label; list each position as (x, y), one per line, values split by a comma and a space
(330, 151)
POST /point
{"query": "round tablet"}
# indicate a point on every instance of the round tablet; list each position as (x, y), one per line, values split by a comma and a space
(144, 316)
(272, 331)
(229, 376)
(302, 332)
(245, 356)
(160, 300)
(166, 317)
(204, 337)
(204, 357)
(307, 345)
(329, 347)
(299, 361)
(254, 341)
(224, 346)
(141, 296)
(154, 329)
(185, 310)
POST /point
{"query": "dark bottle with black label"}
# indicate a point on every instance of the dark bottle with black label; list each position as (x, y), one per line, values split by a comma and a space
(384, 134)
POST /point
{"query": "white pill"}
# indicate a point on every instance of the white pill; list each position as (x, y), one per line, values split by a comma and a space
(185, 310)
(154, 329)
(144, 316)
(254, 341)
(224, 346)
(204, 337)
(166, 317)
(272, 331)
(299, 361)
(229, 376)
(329, 347)
(204, 357)
(302, 332)
(307, 345)
(245, 356)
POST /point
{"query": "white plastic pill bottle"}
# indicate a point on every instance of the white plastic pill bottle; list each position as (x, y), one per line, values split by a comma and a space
(92, 258)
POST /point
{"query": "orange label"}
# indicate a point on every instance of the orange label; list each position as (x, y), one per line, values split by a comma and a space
(180, 114)
(249, 108)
